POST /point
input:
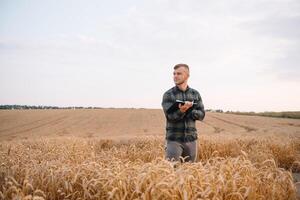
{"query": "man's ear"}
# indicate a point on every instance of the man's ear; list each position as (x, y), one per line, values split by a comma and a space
(188, 73)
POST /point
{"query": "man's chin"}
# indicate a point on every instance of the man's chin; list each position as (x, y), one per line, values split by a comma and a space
(178, 84)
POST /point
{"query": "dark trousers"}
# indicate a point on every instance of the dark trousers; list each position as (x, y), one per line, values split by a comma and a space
(175, 150)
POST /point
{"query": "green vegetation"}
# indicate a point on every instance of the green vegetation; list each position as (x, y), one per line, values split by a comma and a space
(287, 114)
(26, 107)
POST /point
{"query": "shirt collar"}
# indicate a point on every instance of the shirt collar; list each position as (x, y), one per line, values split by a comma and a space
(177, 88)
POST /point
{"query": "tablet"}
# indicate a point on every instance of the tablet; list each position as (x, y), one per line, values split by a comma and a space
(175, 106)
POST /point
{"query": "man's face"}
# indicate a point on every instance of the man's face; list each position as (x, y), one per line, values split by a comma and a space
(180, 75)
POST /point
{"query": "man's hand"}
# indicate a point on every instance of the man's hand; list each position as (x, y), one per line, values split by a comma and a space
(183, 108)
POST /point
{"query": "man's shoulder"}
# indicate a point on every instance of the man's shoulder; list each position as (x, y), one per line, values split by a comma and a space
(174, 90)
(194, 91)
(169, 91)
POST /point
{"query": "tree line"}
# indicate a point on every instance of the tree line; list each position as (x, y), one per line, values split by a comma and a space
(27, 107)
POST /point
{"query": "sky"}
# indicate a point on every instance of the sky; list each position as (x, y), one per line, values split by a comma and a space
(243, 55)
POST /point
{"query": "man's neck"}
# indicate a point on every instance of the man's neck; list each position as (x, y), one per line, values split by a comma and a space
(183, 86)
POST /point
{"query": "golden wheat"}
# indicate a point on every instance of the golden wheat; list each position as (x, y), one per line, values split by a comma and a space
(78, 168)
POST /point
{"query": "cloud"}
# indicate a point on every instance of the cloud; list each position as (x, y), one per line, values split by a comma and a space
(137, 43)
(7, 45)
(287, 67)
(284, 35)
(279, 30)
(286, 27)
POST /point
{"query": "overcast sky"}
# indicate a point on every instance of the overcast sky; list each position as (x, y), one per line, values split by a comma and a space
(243, 55)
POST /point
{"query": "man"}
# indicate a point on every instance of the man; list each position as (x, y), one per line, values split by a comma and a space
(181, 132)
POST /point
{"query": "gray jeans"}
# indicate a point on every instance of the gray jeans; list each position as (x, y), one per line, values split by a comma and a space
(187, 150)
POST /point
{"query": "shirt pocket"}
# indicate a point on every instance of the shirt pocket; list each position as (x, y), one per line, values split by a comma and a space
(192, 97)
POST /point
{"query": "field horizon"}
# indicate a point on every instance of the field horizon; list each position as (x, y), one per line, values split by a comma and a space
(126, 122)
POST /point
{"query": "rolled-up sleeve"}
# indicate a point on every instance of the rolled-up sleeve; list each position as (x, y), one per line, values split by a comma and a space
(198, 113)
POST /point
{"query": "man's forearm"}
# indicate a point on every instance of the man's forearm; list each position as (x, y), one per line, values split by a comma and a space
(175, 116)
(198, 114)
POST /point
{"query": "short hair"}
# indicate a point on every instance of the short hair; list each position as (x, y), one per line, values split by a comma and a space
(182, 65)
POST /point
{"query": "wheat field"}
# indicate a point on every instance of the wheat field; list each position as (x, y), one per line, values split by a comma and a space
(119, 154)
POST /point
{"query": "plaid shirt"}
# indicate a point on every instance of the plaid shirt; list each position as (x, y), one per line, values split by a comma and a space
(181, 126)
